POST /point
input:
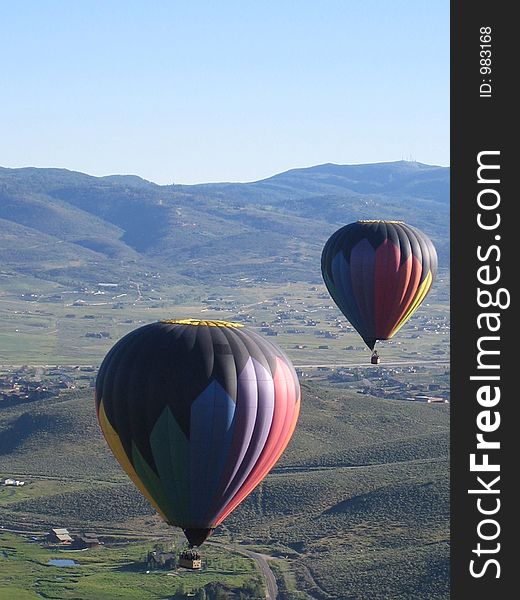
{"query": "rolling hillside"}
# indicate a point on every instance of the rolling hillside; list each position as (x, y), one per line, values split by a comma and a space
(359, 503)
(74, 229)
(358, 507)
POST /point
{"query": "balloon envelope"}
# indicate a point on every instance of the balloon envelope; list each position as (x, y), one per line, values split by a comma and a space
(197, 413)
(378, 273)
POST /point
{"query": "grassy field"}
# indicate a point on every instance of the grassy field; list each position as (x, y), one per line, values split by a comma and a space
(53, 325)
(108, 572)
(358, 506)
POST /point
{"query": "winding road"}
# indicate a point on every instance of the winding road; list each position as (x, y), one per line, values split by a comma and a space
(263, 565)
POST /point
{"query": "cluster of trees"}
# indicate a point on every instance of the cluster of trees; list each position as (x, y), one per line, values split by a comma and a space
(161, 557)
(251, 590)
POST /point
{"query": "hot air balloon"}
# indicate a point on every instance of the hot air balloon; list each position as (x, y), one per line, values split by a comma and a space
(378, 273)
(197, 413)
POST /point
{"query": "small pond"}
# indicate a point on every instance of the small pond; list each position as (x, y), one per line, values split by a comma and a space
(62, 562)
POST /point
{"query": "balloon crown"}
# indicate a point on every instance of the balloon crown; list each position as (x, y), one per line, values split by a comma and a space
(207, 323)
(379, 221)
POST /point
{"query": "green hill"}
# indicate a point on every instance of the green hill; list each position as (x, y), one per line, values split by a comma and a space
(359, 503)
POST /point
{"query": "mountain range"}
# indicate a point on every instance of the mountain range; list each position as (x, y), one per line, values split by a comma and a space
(75, 229)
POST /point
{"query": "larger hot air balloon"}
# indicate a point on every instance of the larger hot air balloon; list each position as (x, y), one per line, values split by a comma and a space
(378, 273)
(197, 413)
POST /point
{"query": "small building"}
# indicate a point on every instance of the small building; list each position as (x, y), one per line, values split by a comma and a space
(11, 481)
(59, 535)
(190, 559)
(430, 399)
(86, 540)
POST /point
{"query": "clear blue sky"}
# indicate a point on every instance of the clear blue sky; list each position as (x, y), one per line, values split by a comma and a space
(192, 91)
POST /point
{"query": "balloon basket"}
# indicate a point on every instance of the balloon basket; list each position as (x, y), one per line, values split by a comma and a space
(375, 359)
(190, 559)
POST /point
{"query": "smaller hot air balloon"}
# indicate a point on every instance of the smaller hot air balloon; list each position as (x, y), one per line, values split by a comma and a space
(378, 273)
(197, 413)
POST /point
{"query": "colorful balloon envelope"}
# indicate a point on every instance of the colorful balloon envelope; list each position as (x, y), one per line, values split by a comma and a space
(197, 413)
(378, 273)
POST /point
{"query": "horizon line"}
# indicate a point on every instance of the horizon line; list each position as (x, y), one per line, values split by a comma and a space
(226, 182)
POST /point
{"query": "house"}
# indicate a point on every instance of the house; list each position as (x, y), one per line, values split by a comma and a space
(59, 535)
(430, 399)
(11, 481)
(86, 540)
